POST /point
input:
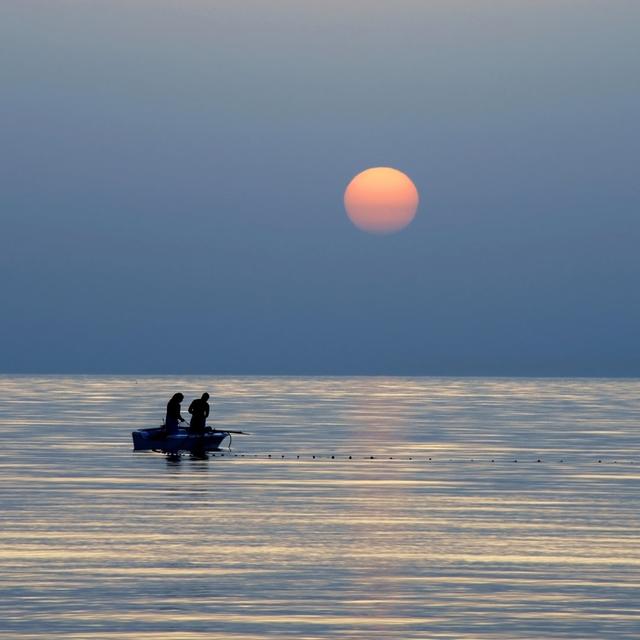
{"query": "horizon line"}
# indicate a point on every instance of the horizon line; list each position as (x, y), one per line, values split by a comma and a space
(551, 376)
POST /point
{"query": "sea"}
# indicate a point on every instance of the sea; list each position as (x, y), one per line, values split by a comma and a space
(360, 508)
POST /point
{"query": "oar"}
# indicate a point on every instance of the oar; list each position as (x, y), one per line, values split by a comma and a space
(244, 433)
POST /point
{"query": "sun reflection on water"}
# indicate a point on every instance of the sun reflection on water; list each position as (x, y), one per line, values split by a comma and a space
(429, 530)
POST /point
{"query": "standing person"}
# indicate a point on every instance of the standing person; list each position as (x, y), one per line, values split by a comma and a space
(199, 410)
(173, 414)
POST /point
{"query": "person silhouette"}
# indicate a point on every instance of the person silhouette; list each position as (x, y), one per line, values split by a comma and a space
(173, 414)
(199, 410)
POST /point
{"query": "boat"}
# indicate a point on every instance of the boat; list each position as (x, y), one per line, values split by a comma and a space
(157, 439)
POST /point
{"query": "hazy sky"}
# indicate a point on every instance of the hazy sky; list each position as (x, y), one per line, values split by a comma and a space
(171, 181)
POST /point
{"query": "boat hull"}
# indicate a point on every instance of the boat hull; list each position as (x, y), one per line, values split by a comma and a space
(158, 440)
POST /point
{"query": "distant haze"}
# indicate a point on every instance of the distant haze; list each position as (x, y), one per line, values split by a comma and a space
(172, 174)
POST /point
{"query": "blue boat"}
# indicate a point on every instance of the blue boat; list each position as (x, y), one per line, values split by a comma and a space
(182, 441)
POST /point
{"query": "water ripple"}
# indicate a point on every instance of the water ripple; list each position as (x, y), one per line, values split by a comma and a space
(430, 530)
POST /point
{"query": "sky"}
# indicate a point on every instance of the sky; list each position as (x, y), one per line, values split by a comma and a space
(172, 175)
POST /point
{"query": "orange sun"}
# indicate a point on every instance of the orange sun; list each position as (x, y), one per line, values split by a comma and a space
(381, 200)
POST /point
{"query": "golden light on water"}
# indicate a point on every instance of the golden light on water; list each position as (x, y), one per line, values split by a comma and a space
(421, 541)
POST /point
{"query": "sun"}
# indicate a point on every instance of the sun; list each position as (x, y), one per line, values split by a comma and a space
(381, 200)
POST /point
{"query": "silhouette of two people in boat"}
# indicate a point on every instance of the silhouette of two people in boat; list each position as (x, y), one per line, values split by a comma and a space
(199, 410)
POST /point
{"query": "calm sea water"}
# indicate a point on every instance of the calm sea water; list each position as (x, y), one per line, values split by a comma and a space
(430, 530)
